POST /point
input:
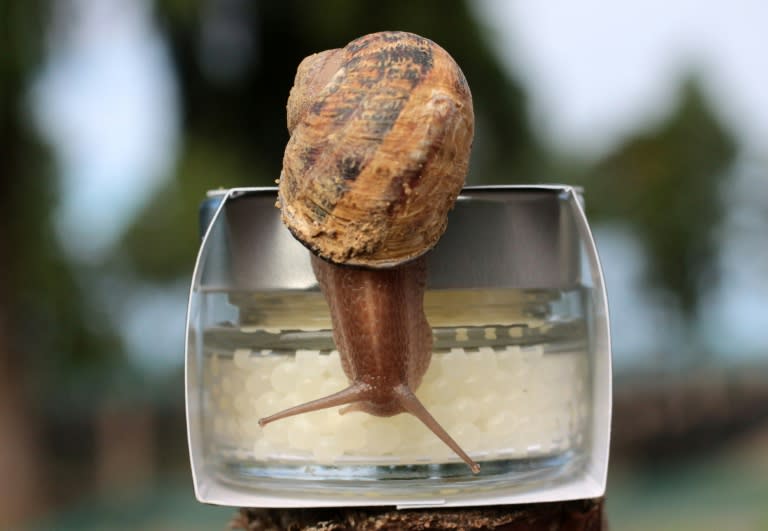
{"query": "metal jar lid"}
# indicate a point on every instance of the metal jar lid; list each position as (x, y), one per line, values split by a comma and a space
(501, 236)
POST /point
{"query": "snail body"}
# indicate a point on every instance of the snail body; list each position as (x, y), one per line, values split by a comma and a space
(380, 137)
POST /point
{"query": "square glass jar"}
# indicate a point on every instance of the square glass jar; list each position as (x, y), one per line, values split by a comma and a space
(519, 375)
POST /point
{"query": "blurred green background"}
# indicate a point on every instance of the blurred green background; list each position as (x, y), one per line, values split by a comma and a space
(116, 116)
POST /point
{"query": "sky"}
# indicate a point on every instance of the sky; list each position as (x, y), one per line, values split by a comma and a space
(106, 99)
(598, 69)
(595, 71)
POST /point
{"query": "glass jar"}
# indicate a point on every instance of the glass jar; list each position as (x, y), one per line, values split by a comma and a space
(514, 326)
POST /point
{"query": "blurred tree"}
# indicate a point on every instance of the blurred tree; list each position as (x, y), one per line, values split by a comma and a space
(45, 339)
(668, 183)
(20, 456)
(236, 62)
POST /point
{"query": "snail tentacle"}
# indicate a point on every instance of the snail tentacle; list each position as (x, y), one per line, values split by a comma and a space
(354, 393)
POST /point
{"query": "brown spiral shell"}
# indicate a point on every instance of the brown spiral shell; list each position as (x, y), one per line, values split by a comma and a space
(381, 132)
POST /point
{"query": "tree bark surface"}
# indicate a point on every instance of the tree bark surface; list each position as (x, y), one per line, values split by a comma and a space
(579, 515)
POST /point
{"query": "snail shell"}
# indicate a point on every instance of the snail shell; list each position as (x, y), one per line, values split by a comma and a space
(381, 132)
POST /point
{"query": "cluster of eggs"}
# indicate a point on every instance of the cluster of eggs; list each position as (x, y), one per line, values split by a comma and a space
(497, 403)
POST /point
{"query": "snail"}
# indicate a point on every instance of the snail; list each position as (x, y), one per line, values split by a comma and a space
(381, 132)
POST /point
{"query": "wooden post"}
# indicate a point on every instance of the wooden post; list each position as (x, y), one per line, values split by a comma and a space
(579, 515)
